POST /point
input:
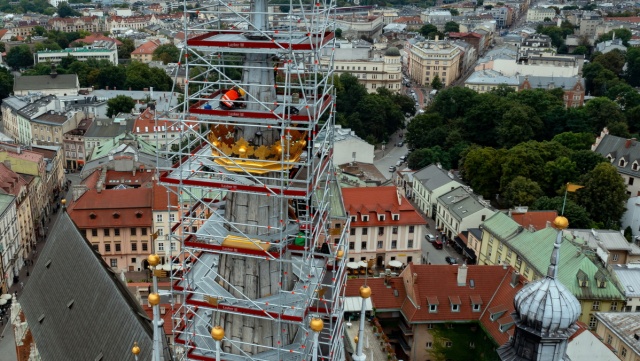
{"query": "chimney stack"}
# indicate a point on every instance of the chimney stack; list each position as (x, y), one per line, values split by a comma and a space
(462, 275)
(515, 278)
(628, 143)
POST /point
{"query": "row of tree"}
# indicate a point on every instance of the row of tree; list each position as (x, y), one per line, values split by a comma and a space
(374, 116)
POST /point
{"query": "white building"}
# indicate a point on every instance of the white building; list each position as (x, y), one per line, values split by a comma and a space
(429, 183)
(12, 258)
(461, 209)
(538, 14)
(438, 17)
(348, 147)
(99, 50)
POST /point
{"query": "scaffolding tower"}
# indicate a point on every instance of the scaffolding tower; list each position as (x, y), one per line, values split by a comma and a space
(262, 227)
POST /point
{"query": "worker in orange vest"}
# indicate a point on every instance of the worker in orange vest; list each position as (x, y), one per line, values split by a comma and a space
(233, 99)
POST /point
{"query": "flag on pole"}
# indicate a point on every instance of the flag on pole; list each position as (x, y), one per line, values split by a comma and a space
(573, 187)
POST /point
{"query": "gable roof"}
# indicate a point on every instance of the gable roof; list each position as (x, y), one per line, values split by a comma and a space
(379, 200)
(109, 208)
(433, 177)
(535, 219)
(462, 203)
(73, 298)
(619, 147)
(147, 48)
(46, 82)
(382, 297)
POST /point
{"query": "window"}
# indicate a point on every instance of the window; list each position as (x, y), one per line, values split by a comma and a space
(455, 308)
(106, 232)
(433, 308)
(396, 217)
(352, 245)
(592, 322)
(160, 246)
(410, 243)
(117, 247)
(409, 259)
(143, 231)
(365, 218)
(614, 306)
(365, 231)
(160, 231)
(158, 217)
(448, 344)
(94, 232)
(107, 248)
(380, 231)
(172, 218)
(173, 246)
(595, 306)
(614, 257)
(114, 262)
(134, 247)
(394, 230)
(363, 245)
(476, 308)
(95, 247)
(352, 231)
(630, 181)
(381, 217)
(133, 231)
(145, 247)
(116, 232)
(429, 345)
(411, 229)
(379, 244)
(394, 244)
(623, 352)
(609, 339)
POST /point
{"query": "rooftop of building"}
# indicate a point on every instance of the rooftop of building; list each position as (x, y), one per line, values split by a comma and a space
(629, 278)
(625, 325)
(462, 202)
(532, 219)
(492, 77)
(46, 82)
(619, 148)
(546, 82)
(107, 128)
(374, 201)
(434, 176)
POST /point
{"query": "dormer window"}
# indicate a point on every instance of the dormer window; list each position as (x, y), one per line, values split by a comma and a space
(610, 158)
(476, 303)
(433, 304)
(365, 218)
(601, 280)
(396, 217)
(455, 303)
(92, 215)
(583, 279)
(138, 214)
(381, 217)
(116, 215)
(622, 163)
(635, 166)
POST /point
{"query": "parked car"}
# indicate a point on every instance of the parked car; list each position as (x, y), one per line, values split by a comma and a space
(400, 143)
(399, 163)
(403, 158)
(451, 260)
(392, 169)
(437, 244)
(430, 237)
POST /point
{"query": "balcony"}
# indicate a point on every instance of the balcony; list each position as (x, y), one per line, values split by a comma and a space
(406, 330)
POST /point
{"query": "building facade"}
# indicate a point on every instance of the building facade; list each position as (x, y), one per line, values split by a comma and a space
(460, 209)
(384, 226)
(434, 57)
(10, 252)
(99, 50)
(620, 332)
(429, 184)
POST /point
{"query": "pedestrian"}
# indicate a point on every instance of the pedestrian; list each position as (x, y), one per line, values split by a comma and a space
(21, 285)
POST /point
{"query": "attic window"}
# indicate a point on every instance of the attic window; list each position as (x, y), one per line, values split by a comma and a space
(138, 214)
(601, 280)
(635, 166)
(365, 218)
(396, 217)
(622, 163)
(583, 279)
(92, 215)
(70, 304)
(41, 318)
(116, 215)
(635, 335)
(48, 263)
(381, 217)
(610, 158)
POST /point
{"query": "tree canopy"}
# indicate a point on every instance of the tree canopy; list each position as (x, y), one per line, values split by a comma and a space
(19, 57)
(119, 104)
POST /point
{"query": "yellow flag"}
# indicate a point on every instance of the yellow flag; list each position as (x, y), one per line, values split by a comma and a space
(573, 187)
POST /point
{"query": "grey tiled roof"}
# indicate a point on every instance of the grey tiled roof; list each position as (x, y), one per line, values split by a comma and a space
(617, 148)
(77, 308)
(43, 82)
(433, 177)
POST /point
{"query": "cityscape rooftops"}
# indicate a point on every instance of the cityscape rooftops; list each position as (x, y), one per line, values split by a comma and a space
(626, 325)
(374, 201)
(433, 177)
(629, 278)
(46, 82)
(462, 202)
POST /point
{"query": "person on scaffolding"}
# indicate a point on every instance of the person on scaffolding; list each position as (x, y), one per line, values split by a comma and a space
(233, 99)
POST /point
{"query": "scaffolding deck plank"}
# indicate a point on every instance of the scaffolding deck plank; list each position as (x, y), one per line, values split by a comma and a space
(234, 41)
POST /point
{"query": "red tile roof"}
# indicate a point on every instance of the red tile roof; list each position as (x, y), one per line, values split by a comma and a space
(421, 285)
(146, 124)
(10, 181)
(147, 48)
(537, 219)
(3, 31)
(113, 208)
(375, 200)
(160, 199)
(96, 37)
(382, 297)
(168, 324)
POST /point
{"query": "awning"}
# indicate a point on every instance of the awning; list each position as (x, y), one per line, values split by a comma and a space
(354, 304)
(396, 264)
(469, 252)
(353, 265)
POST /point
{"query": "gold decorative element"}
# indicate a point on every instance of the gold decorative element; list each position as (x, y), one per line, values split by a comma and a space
(217, 333)
(356, 339)
(561, 222)
(154, 299)
(316, 324)
(365, 291)
(153, 260)
(262, 152)
(242, 149)
(135, 349)
(63, 201)
(340, 254)
(321, 292)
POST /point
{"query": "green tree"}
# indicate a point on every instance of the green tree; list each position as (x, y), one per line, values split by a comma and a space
(580, 50)
(633, 119)
(451, 27)
(6, 83)
(578, 216)
(575, 141)
(38, 30)
(454, 12)
(338, 33)
(557, 173)
(126, 48)
(167, 53)
(47, 44)
(119, 104)
(624, 34)
(521, 191)
(65, 11)
(519, 124)
(586, 160)
(423, 157)
(602, 111)
(454, 102)
(613, 60)
(604, 195)
(436, 83)
(430, 31)
(419, 129)
(632, 73)
(482, 169)
(19, 57)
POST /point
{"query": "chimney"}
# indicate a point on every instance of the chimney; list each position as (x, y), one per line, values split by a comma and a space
(628, 143)
(7, 163)
(462, 275)
(415, 278)
(54, 72)
(515, 278)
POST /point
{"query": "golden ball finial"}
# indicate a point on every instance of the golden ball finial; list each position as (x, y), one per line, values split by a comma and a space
(63, 201)
(316, 324)
(135, 349)
(217, 333)
(561, 222)
(365, 291)
(356, 339)
(154, 299)
(153, 260)
(340, 254)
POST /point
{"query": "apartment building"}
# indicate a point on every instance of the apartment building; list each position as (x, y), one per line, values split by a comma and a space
(620, 332)
(11, 257)
(13, 184)
(384, 226)
(624, 154)
(75, 154)
(144, 53)
(434, 57)
(99, 50)
(429, 183)
(505, 242)
(92, 24)
(460, 209)
(539, 14)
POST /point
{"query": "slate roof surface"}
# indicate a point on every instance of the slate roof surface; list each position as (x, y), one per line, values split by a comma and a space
(73, 298)
(44, 82)
(433, 177)
(617, 148)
